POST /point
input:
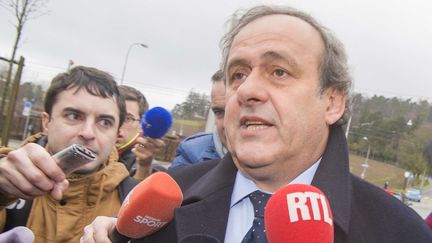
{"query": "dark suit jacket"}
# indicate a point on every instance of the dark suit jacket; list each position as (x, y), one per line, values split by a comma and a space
(362, 212)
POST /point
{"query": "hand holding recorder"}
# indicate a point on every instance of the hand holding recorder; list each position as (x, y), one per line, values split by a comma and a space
(30, 171)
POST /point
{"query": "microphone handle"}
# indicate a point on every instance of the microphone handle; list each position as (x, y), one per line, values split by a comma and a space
(116, 237)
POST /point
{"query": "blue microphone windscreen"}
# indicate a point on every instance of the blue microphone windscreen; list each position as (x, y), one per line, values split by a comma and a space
(156, 122)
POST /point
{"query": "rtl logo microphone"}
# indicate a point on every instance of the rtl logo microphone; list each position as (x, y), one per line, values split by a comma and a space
(298, 213)
(308, 206)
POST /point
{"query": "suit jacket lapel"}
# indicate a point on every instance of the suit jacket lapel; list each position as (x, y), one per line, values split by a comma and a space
(205, 207)
(334, 179)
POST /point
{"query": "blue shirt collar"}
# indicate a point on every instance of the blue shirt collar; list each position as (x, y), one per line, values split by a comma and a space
(243, 186)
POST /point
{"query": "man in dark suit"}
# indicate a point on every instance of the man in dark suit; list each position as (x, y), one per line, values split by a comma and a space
(287, 85)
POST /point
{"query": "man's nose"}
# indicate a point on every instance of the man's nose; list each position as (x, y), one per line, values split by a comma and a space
(87, 131)
(120, 132)
(253, 90)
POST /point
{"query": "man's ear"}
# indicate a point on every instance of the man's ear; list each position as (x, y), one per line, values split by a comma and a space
(335, 105)
(45, 121)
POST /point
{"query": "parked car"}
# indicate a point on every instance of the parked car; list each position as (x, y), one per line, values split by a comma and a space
(413, 195)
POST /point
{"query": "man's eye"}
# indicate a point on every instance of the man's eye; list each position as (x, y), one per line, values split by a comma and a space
(72, 116)
(106, 123)
(238, 76)
(280, 73)
(218, 113)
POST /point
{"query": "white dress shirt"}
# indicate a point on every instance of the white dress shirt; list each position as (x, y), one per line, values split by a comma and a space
(241, 213)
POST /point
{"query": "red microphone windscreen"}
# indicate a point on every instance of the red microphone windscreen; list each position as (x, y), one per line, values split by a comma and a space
(149, 206)
(298, 213)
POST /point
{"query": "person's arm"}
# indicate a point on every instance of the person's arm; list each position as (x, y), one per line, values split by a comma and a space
(182, 156)
(143, 168)
(144, 151)
(28, 172)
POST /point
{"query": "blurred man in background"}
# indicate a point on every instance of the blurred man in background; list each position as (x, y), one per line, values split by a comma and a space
(135, 151)
(206, 146)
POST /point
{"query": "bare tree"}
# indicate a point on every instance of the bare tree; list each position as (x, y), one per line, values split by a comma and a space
(22, 10)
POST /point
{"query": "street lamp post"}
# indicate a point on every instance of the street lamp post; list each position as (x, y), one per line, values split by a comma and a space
(365, 165)
(127, 56)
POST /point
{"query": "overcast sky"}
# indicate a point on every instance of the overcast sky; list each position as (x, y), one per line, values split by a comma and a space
(389, 42)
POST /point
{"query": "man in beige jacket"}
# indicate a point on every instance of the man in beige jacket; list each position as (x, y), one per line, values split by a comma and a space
(82, 107)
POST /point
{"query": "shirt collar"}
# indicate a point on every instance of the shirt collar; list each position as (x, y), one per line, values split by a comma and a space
(243, 186)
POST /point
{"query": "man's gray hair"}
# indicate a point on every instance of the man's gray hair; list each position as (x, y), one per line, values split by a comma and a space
(334, 72)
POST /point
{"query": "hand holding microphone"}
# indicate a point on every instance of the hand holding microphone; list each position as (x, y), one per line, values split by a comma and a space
(155, 123)
(147, 208)
(298, 213)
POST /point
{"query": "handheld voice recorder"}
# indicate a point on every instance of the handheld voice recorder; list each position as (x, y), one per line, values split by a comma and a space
(73, 157)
